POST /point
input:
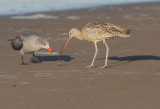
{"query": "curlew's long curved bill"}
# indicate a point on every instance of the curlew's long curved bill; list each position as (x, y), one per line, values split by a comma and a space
(64, 46)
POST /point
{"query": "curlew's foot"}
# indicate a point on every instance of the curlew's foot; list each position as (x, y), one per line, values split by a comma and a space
(103, 66)
(91, 66)
(34, 60)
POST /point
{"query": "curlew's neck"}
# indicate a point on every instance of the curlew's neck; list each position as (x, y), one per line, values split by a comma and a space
(78, 35)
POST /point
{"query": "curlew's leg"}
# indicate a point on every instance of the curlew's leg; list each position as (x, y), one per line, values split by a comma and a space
(96, 51)
(107, 50)
(34, 59)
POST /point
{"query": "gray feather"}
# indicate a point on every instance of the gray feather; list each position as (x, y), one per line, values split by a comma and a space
(17, 43)
(29, 34)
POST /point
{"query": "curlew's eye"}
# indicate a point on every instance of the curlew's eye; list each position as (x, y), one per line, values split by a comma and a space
(70, 33)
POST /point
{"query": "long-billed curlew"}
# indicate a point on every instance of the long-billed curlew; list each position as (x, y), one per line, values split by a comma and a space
(96, 32)
(29, 43)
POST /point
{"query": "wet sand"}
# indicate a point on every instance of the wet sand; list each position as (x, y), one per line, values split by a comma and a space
(131, 80)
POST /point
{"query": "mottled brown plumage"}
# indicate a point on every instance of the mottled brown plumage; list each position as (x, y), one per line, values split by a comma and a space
(96, 32)
(103, 31)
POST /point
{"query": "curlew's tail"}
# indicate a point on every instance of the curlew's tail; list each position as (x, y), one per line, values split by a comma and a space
(128, 32)
(124, 33)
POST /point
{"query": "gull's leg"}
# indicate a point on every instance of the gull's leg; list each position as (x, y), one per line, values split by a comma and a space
(96, 51)
(34, 59)
(22, 60)
(22, 54)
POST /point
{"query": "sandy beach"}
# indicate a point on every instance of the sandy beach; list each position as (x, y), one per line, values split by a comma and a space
(131, 80)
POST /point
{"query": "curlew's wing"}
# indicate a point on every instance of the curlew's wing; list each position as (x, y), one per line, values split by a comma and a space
(98, 33)
(105, 31)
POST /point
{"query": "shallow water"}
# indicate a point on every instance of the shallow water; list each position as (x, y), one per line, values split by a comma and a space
(11, 7)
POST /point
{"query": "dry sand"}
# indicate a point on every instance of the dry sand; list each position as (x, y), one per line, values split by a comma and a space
(131, 81)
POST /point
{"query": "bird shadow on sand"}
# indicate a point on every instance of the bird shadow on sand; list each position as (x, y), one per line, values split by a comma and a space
(129, 59)
(65, 58)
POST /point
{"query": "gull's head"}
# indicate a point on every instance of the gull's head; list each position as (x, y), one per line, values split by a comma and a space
(45, 44)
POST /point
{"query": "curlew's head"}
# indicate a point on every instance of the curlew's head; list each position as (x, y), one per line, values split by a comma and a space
(72, 33)
(45, 44)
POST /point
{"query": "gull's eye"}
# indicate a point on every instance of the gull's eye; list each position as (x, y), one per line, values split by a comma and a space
(43, 43)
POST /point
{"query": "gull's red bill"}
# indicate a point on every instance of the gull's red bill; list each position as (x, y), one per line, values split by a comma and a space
(64, 46)
(50, 49)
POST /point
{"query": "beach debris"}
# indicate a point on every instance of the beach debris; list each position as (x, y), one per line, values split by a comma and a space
(46, 53)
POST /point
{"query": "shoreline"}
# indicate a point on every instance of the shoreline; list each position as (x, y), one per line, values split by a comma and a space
(86, 8)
